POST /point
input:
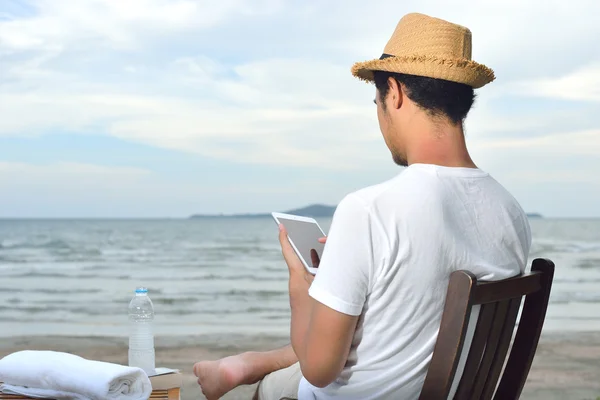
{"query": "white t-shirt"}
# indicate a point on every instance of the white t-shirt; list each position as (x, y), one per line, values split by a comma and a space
(390, 251)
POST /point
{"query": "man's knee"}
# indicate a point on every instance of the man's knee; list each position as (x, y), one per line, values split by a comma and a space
(280, 385)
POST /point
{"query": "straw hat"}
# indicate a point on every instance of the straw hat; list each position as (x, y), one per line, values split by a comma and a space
(426, 46)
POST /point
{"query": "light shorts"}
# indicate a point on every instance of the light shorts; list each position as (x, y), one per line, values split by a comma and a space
(280, 385)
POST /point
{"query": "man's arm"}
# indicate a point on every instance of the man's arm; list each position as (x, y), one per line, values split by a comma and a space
(321, 337)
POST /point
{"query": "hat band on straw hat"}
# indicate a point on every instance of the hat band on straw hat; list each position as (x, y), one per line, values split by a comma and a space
(454, 70)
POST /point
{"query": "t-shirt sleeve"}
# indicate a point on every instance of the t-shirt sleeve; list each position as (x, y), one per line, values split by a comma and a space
(343, 278)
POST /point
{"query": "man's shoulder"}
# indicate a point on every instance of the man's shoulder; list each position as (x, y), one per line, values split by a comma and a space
(393, 187)
(369, 194)
(372, 193)
(426, 186)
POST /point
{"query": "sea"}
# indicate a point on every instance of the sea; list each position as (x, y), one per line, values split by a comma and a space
(213, 276)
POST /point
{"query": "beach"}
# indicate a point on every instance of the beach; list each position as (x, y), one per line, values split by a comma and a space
(219, 287)
(566, 366)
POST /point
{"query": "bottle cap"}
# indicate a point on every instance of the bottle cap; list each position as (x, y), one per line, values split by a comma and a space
(141, 290)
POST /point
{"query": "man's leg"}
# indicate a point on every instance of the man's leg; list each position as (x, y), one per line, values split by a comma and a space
(280, 385)
(220, 376)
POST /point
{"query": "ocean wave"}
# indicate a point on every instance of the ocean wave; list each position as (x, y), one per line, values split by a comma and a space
(12, 260)
(95, 267)
(589, 263)
(38, 274)
(10, 290)
(45, 308)
(231, 312)
(174, 300)
(7, 244)
(243, 277)
(277, 317)
(66, 291)
(257, 310)
(541, 246)
(576, 280)
(254, 293)
(29, 309)
(49, 301)
(574, 297)
(50, 291)
(214, 277)
(69, 322)
(574, 318)
(237, 250)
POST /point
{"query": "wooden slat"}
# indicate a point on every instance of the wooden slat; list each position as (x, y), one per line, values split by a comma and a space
(528, 335)
(482, 370)
(503, 345)
(159, 394)
(490, 349)
(484, 324)
(491, 292)
(455, 320)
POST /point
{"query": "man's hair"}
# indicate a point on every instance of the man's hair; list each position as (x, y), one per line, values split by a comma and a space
(437, 97)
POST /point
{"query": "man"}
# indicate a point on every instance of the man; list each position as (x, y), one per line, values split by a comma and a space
(365, 328)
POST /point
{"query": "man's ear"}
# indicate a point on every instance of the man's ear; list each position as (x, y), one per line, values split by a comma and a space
(395, 93)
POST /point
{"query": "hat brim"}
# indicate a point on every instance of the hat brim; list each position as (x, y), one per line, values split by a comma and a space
(455, 70)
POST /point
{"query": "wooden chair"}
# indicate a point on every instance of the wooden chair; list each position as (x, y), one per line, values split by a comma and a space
(499, 304)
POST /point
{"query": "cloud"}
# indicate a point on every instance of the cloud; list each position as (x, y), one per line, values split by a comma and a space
(582, 84)
(253, 106)
(66, 189)
(565, 159)
(64, 24)
(572, 143)
(77, 179)
(268, 81)
(555, 177)
(68, 170)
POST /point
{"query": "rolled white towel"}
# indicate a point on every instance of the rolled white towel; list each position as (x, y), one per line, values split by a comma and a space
(51, 374)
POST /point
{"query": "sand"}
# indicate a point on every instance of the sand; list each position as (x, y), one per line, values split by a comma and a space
(566, 366)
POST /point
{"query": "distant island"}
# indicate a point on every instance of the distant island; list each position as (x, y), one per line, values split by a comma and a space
(313, 211)
(534, 215)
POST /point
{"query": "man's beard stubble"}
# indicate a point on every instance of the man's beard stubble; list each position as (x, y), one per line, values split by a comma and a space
(399, 159)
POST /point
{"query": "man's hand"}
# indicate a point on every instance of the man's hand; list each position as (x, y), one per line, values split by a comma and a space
(300, 302)
(314, 256)
(321, 337)
(295, 265)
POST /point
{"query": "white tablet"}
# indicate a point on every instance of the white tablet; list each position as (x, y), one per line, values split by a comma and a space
(304, 234)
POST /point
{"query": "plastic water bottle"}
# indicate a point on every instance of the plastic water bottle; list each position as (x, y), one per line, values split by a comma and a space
(141, 337)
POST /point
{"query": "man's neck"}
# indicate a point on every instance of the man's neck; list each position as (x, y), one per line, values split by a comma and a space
(439, 144)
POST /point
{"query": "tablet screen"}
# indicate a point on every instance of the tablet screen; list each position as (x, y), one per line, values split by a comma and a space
(305, 236)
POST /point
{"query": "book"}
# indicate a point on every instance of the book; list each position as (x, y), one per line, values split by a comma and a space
(166, 378)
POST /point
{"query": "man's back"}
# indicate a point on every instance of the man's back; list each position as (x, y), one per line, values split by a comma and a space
(389, 255)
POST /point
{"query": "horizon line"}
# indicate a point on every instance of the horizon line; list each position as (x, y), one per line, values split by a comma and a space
(185, 218)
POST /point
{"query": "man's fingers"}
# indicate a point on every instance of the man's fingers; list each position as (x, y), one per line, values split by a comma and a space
(322, 240)
(283, 238)
(286, 246)
(314, 257)
(289, 254)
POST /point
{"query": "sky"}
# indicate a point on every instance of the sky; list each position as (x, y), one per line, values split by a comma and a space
(165, 108)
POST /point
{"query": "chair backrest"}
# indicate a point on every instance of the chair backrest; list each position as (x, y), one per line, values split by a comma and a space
(499, 304)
